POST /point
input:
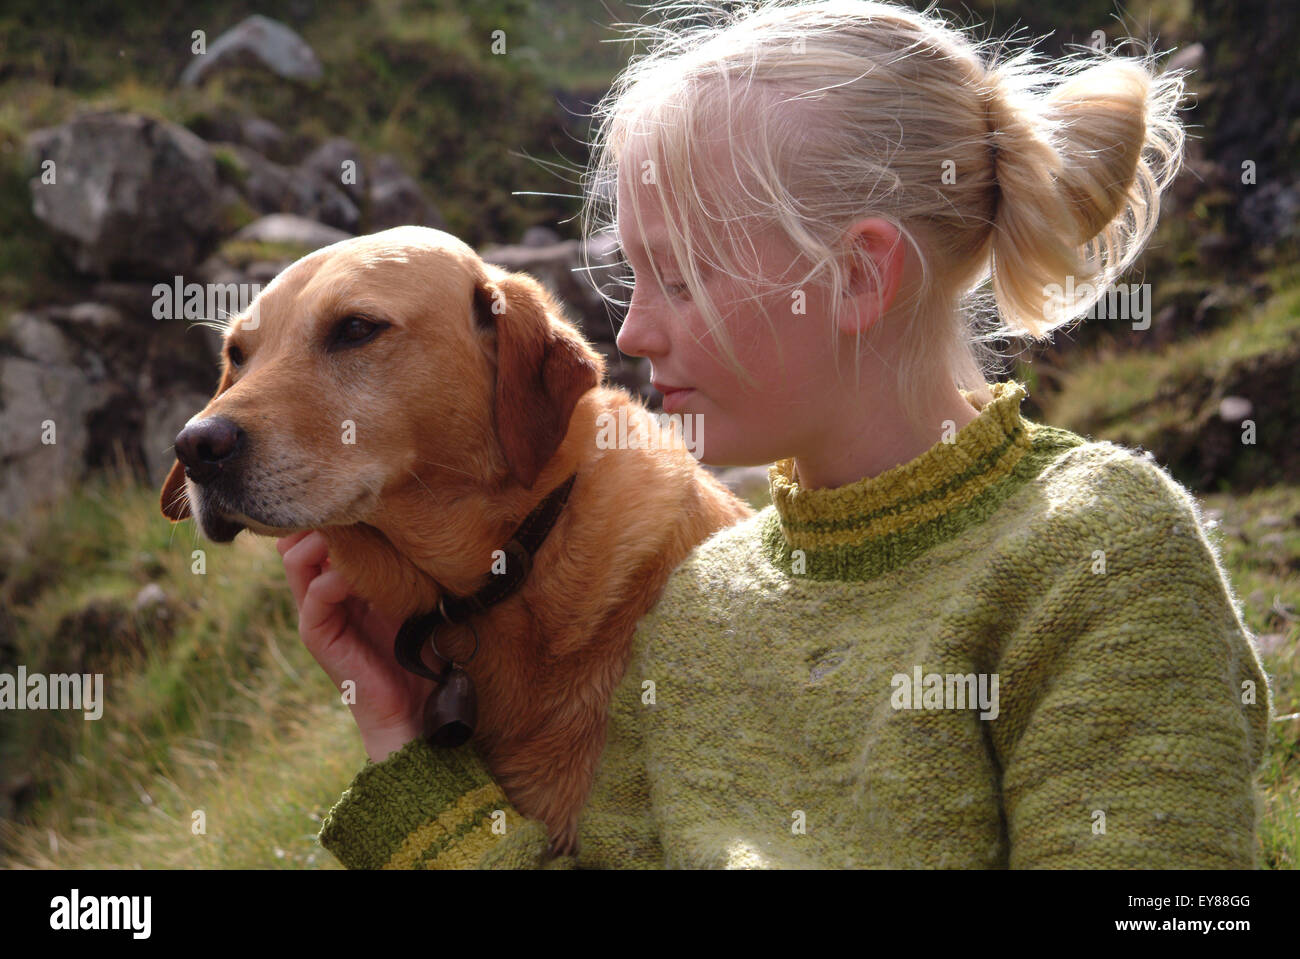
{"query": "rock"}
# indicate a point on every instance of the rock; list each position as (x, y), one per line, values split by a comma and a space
(1234, 409)
(1188, 58)
(328, 164)
(263, 272)
(132, 299)
(217, 270)
(258, 40)
(132, 195)
(396, 198)
(245, 129)
(109, 381)
(540, 236)
(33, 394)
(290, 229)
(39, 339)
(261, 135)
(747, 482)
(163, 419)
(151, 595)
(271, 188)
(560, 268)
(1271, 212)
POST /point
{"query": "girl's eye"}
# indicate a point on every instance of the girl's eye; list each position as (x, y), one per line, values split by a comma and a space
(676, 289)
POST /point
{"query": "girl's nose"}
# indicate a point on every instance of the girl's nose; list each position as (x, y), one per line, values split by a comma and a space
(640, 334)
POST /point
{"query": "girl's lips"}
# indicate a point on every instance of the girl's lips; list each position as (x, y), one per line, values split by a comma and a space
(665, 388)
(674, 398)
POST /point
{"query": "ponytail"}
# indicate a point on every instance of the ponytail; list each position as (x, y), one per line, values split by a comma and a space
(1079, 174)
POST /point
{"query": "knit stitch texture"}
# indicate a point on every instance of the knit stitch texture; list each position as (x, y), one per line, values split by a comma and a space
(806, 692)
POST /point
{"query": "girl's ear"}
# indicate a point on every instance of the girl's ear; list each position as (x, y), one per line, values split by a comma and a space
(175, 503)
(543, 368)
(879, 241)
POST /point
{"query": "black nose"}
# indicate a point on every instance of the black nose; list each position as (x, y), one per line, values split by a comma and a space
(206, 445)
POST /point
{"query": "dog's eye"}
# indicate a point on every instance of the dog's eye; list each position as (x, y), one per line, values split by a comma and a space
(355, 330)
(236, 356)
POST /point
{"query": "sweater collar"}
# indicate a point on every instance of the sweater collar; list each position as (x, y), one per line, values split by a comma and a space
(909, 506)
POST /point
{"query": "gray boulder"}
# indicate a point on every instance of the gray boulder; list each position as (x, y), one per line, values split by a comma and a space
(247, 129)
(561, 269)
(259, 41)
(396, 199)
(105, 381)
(131, 195)
(291, 230)
(327, 164)
(271, 188)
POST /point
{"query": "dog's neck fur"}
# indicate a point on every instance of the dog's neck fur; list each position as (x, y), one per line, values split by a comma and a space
(403, 569)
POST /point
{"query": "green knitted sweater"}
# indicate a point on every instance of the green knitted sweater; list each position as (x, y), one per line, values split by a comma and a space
(1017, 650)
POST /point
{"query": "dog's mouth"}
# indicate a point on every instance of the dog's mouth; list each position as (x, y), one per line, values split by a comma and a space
(219, 529)
(220, 520)
(221, 515)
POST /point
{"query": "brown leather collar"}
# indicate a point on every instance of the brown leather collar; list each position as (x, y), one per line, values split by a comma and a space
(519, 550)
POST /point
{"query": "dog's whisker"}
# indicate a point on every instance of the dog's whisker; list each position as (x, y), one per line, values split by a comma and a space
(444, 466)
(421, 482)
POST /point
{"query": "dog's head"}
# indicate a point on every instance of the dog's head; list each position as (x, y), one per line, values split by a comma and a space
(368, 367)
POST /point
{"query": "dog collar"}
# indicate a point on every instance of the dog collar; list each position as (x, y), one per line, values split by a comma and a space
(451, 710)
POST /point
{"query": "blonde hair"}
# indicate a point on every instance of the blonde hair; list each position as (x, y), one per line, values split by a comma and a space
(1029, 170)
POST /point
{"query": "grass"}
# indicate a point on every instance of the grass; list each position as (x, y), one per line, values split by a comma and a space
(214, 710)
(1168, 401)
(240, 253)
(1259, 538)
(1106, 390)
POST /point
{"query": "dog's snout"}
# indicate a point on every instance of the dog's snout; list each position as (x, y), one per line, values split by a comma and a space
(206, 445)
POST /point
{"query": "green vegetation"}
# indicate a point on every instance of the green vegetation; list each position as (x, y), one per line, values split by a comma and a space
(1259, 538)
(214, 706)
(1106, 392)
(1168, 401)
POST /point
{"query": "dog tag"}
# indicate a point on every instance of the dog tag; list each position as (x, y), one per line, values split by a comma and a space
(451, 711)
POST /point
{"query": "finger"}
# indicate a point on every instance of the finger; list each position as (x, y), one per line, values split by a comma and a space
(286, 543)
(322, 621)
(302, 564)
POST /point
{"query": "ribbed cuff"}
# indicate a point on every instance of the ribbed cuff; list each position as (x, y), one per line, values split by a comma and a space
(421, 807)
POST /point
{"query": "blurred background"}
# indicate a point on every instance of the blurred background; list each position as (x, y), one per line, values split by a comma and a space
(225, 744)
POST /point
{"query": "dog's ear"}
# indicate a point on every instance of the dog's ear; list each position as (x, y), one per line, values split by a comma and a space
(175, 504)
(543, 368)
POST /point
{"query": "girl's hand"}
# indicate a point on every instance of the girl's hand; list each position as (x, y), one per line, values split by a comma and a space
(353, 641)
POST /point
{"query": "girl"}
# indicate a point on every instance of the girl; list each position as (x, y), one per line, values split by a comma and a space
(957, 638)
